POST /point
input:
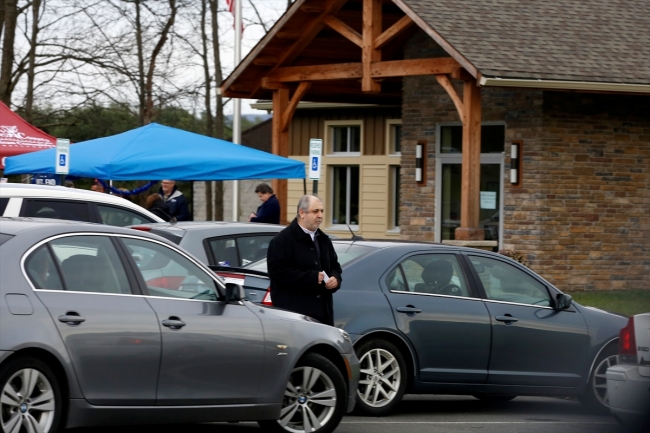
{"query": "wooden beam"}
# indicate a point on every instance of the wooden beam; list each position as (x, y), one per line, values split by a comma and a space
(265, 60)
(406, 68)
(444, 81)
(287, 34)
(266, 83)
(287, 115)
(471, 165)
(349, 71)
(280, 146)
(370, 55)
(344, 29)
(393, 31)
(312, 28)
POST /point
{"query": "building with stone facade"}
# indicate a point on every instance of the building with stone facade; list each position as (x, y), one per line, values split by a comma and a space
(522, 125)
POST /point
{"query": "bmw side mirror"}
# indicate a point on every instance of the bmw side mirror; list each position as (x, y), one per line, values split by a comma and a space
(562, 301)
(235, 292)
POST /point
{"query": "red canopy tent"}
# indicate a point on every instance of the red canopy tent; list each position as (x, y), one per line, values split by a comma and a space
(18, 137)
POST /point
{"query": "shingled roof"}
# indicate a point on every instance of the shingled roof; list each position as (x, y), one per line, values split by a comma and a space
(602, 41)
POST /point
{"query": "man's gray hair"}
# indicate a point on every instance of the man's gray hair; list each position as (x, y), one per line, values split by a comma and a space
(303, 203)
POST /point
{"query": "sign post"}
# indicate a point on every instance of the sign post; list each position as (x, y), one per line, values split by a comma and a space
(62, 163)
(315, 151)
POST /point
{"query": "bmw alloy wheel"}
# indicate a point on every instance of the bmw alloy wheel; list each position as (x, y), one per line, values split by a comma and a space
(314, 398)
(27, 402)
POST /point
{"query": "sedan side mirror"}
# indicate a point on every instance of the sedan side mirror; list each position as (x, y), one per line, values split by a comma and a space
(235, 292)
(562, 301)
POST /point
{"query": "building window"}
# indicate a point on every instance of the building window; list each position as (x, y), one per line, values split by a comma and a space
(394, 137)
(346, 139)
(393, 219)
(345, 195)
(343, 137)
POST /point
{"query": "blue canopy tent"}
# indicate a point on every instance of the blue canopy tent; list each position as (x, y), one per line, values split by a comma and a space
(155, 151)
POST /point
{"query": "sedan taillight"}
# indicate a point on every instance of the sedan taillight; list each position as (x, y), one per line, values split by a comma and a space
(267, 298)
(627, 344)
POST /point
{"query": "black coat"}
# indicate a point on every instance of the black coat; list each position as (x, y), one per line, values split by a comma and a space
(293, 266)
(268, 212)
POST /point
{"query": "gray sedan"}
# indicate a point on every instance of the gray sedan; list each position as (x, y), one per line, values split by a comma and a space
(437, 319)
(103, 325)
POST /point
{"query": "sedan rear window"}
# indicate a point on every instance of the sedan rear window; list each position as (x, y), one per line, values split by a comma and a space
(3, 204)
(60, 209)
(348, 252)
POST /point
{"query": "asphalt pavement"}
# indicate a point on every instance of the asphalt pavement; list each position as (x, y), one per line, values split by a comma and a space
(440, 413)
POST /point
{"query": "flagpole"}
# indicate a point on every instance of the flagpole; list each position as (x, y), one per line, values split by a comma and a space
(236, 120)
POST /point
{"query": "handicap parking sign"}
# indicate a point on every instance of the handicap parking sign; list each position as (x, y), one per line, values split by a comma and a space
(62, 165)
(315, 149)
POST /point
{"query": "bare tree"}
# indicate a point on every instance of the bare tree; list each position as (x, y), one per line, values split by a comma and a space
(219, 121)
(11, 12)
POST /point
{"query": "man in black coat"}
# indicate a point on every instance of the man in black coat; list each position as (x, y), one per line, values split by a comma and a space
(303, 266)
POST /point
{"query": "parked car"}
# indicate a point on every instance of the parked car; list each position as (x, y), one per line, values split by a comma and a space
(220, 244)
(44, 201)
(628, 382)
(437, 319)
(103, 325)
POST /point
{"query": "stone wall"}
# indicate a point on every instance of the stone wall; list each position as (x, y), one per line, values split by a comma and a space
(582, 213)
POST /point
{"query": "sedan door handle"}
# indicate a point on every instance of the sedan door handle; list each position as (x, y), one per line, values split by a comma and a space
(173, 323)
(508, 319)
(71, 319)
(409, 309)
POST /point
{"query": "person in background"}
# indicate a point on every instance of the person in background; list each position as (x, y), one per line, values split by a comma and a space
(69, 184)
(303, 266)
(269, 210)
(176, 201)
(97, 186)
(158, 207)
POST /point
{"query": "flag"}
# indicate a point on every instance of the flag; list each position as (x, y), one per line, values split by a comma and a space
(231, 9)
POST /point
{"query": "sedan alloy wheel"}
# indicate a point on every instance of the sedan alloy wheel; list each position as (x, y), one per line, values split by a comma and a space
(314, 400)
(382, 380)
(29, 398)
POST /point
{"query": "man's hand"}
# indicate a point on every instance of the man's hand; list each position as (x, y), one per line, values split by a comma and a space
(332, 283)
(251, 216)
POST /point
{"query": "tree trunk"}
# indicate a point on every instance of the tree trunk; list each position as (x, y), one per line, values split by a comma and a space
(148, 107)
(6, 69)
(209, 124)
(140, 48)
(31, 68)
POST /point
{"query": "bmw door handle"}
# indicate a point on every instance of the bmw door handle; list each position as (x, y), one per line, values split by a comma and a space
(71, 318)
(508, 319)
(410, 310)
(173, 323)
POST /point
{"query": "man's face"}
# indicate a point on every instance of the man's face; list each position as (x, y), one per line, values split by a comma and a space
(167, 186)
(264, 196)
(312, 219)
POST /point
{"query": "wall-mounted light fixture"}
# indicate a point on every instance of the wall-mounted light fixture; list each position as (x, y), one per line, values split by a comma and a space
(420, 162)
(515, 161)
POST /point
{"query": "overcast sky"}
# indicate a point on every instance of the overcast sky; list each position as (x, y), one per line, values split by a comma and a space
(270, 10)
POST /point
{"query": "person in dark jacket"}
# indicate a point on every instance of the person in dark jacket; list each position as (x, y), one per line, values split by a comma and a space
(175, 200)
(303, 266)
(269, 210)
(157, 206)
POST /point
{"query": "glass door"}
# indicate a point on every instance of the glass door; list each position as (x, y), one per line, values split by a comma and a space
(448, 181)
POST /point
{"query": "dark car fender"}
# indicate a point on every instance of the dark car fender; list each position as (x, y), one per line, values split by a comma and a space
(603, 329)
